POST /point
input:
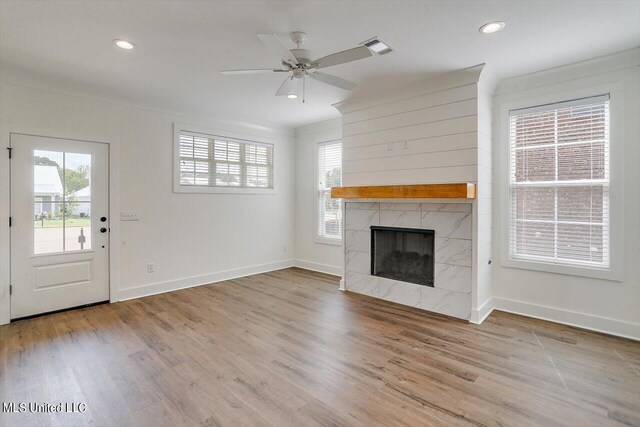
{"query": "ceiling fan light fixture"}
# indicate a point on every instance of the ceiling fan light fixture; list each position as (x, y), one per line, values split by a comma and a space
(492, 27)
(124, 44)
(378, 46)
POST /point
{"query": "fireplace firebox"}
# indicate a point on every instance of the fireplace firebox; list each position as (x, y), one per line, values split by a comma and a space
(405, 254)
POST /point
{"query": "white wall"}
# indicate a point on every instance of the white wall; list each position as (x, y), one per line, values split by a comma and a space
(191, 238)
(610, 306)
(310, 253)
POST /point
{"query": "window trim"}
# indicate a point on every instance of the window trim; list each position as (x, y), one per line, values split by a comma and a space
(318, 238)
(229, 136)
(555, 95)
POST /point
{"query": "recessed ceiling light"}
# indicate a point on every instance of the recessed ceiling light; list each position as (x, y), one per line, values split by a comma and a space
(292, 96)
(123, 44)
(492, 27)
(378, 46)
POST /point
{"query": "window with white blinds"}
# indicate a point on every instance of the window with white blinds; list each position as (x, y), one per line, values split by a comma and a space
(559, 183)
(329, 175)
(212, 161)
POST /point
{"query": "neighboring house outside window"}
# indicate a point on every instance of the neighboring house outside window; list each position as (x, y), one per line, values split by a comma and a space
(559, 184)
(330, 215)
(47, 189)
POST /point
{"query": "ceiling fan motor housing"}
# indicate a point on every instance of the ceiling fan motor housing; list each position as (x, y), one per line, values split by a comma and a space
(302, 55)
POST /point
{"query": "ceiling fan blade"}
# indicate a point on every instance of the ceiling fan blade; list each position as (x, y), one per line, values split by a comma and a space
(287, 87)
(276, 46)
(259, 71)
(343, 57)
(332, 80)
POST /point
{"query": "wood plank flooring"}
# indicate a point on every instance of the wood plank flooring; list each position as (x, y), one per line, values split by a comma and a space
(288, 349)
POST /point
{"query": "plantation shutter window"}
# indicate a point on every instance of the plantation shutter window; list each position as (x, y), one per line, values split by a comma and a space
(212, 161)
(258, 160)
(559, 183)
(329, 175)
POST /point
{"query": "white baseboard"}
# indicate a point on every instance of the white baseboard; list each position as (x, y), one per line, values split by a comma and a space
(189, 282)
(571, 318)
(478, 316)
(322, 268)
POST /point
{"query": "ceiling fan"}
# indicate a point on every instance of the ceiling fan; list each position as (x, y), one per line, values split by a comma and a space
(298, 64)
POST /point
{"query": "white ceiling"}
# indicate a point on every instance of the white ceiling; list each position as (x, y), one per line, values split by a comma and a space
(183, 44)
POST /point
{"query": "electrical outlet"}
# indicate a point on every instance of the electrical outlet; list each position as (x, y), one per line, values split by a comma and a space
(151, 267)
(129, 216)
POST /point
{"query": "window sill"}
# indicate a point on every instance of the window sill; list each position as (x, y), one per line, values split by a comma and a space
(332, 242)
(593, 273)
(221, 190)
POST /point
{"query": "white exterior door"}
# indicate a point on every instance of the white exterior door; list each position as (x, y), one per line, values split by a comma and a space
(59, 224)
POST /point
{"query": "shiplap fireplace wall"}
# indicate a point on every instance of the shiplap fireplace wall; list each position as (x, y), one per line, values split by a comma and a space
(437, 131)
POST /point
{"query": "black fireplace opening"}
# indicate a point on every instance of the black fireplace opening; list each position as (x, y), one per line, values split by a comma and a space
(404, 254)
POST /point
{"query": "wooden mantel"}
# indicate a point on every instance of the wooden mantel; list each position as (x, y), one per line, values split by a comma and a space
(464, 190)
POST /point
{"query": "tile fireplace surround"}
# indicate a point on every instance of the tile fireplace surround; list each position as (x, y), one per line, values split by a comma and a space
(451, 294)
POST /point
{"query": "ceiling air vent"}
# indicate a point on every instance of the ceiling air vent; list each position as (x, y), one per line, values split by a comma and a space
(378, 46)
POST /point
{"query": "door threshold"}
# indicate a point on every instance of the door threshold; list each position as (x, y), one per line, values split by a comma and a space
(32, 316)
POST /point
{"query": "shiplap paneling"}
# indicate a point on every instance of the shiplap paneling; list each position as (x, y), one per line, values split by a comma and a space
(458, 125)
(434, 144)
(417, 161)
(436, 113)
(440, 83)
(433, 175)
(441, 97)
(408, 141)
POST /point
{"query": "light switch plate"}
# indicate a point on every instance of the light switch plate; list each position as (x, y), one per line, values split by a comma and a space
(129, 216)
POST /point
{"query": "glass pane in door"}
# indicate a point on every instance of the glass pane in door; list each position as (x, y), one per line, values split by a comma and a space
(77, 201)
(48, 227)
(48, 217)
(77, 176)
(62, 201)
(77, 226)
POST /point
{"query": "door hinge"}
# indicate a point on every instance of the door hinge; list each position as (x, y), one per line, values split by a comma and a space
(10, 151)
(10, 289)
(10, 221)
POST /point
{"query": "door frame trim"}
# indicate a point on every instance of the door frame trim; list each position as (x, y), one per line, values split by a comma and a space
(5, 209)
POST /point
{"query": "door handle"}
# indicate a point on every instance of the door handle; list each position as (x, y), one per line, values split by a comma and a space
(103, 230)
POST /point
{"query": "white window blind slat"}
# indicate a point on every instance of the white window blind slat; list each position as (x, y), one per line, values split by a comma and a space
(559, 183)
(218, 162)
(329, 175)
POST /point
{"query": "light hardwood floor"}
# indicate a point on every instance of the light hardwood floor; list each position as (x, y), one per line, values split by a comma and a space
(288, 349)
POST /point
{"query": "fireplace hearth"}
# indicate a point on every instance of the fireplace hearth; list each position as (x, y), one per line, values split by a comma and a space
(404, 254)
